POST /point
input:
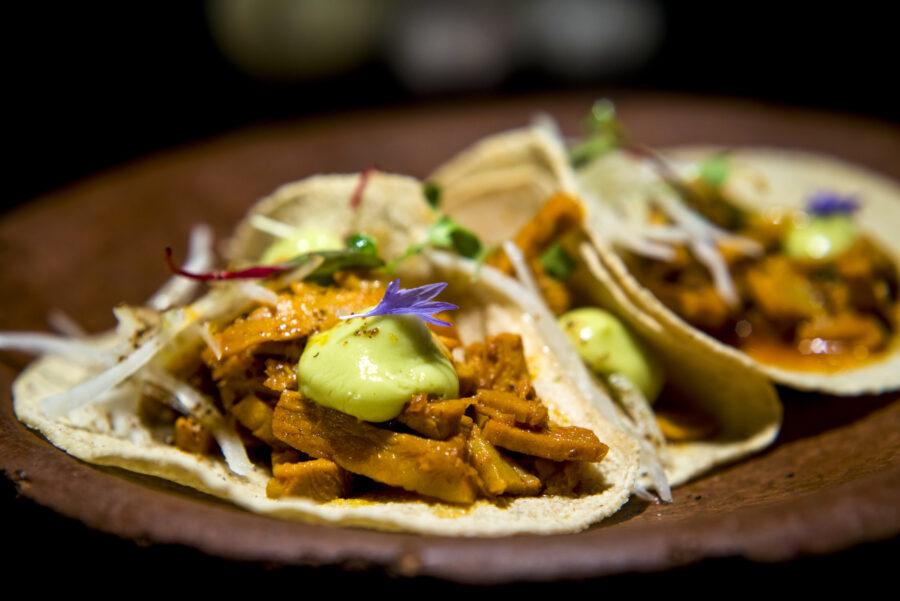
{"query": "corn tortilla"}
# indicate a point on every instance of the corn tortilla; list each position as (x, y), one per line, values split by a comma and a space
(393, 212)
(507, 177)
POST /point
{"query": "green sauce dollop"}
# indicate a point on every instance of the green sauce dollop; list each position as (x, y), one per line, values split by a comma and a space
(608, 347)
(820, 238)
(369, 367)
(306, 239)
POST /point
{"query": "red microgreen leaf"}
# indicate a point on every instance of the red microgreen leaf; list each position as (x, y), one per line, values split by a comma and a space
(357, 195)
(257, 272)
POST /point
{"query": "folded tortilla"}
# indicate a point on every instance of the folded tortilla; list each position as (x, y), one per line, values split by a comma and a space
(764, 178)
(391, 210)
(498, 185)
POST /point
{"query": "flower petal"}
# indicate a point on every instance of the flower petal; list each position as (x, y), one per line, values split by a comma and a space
(412, 301)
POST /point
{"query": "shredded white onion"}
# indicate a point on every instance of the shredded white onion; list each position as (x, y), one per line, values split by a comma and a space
(708, 255)
(146, 334)
(203, 410)
(523, 272)
(38, 343)
(65, 324)
(57, 405)
(642, 493)
(272, 227)
(132, 323)
(638, 408)
(211, 341)
(703, 237)
(173, 322)
(646, 430)
(257, 292)
(620, 191)
(625, 234)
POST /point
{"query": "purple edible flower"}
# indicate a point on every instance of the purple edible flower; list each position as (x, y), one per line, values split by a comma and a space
(824, 203)
(411, 301)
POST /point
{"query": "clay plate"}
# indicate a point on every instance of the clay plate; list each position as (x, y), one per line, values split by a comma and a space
(828, 488)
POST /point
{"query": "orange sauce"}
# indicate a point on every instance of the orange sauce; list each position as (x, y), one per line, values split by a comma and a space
(780, 354)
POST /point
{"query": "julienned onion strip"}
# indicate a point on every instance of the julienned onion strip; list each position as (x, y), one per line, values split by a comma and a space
(224, 301)
(204, 410)
(39, 343)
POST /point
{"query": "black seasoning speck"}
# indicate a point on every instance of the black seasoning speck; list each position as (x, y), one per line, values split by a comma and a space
(790, 475)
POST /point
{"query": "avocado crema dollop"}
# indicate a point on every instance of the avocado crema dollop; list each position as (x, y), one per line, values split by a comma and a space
(370, 367)
(820, 238)
(303, 240)
(608, 347)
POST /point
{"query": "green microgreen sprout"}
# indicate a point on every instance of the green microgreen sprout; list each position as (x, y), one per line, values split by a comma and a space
(714, 170)
(445, 232)
(604, 133)
(362, 243)
(558, 263)
(433, 193)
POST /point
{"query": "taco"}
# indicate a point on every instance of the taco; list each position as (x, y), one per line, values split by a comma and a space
(710, 410)
(792, 268)
(280, 396)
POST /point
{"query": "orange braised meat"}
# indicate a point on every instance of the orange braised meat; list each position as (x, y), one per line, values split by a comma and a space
(819, 315)
(318, 479)
(558, 221)
(454, 450)
(430, 467)
(559, 224)
(497, 439)
(309, 309)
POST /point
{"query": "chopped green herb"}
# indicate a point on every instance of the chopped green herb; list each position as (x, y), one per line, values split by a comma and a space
(362, 243)
(592, 147)
(605, 133)
(444, 233)
(557, 263)
(602, 117)
(714, 170)
(335, 260)
(433, 193)
(447, 233)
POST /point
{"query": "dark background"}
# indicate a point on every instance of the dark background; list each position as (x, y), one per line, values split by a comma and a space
(93, 85)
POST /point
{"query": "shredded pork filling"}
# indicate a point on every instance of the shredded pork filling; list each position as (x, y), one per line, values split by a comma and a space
(496, 439)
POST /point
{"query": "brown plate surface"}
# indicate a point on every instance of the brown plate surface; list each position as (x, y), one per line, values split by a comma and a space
(829, 484)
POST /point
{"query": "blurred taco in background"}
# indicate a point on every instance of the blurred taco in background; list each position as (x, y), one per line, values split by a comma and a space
(308, 384)
(694, 407)
(785, 260)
